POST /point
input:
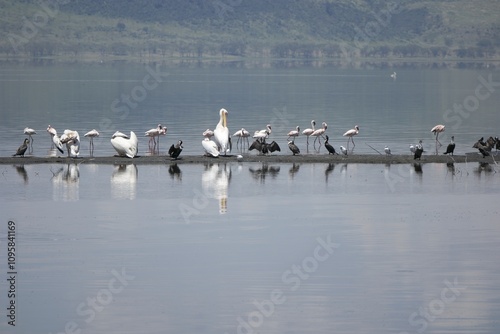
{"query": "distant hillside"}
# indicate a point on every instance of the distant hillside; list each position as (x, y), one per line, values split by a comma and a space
(256, 28)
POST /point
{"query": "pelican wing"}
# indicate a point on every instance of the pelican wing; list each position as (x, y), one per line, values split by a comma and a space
(210, 147)
(125, 146)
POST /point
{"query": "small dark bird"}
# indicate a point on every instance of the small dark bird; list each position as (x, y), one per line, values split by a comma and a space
(256, 145)
(419, 149)
(269, 148)
(22, 148)
(329, 148)
(293, 147)
(176, 150)
(484, 152)
(451, 146)
(481, 141)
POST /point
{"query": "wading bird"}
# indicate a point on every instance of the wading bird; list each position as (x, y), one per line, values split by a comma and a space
(437, 130)
(263, 134)
(72, 140)
(175, 150)
(294, 133)
(451, 146)
(22, 149)
(293, 147)
(309, 131)
(419, 149)
(319, 133)
(125, 145)
(56, 141)
(221, 133)
(160, 130)
(91, 134)
(241, 134)
(30, 132)
(210, 148)
(329, 147)
(351, 133)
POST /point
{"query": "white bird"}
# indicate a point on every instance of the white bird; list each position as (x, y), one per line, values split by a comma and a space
(72, 140)
(437, 130)
(160, 130)
(221, 133)
(56, 141)
(208, 133)
(294, 133)
(319, 133)
(412, 148)
(30, 132)
(393, 75)
(210, 147)
(387, 150)
(125, 145)
(308, 132)
(91, 134)
(351, 133)
(243, 133)
(343, 150)
(262, 134)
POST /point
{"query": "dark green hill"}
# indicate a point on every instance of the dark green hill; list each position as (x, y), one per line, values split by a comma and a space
(278, 28)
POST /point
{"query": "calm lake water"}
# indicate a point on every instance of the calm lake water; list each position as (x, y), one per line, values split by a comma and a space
(236, 247)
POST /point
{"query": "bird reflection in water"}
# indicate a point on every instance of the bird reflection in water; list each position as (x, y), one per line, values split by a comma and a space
(329, 169)
(124, 181)
(261, 173)
(215, 182)
(483, 167)
(294, 170)
(175, 172)
(22, 172)
(66, 183)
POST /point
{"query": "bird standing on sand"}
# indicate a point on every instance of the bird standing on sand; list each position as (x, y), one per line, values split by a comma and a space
(72, 140)
(319, 133)
(221, 133)
(125, 145)
(175, 150)
(437, 130)
(329, 147)
(419, 149)
(309, 131)
(243, 133)
(351, 133)
(22, 149)
(91, 134)
(387, 150)
(210, 148)
(293, 147)
(56, 141)
(451, 146)
(343, 150)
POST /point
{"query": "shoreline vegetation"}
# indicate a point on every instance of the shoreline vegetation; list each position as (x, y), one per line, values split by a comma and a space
(305, 158)
(344, 32)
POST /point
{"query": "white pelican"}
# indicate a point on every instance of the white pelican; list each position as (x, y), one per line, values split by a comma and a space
(208, 133)
(221, 133)
(351, 133)
(319, 133)
(308, 132)
(210, 147)
(294, 133)
(22, 149)
(30, 132)
(56, 141)
(387, 150)
(437, 130)
(125, 145)
(243, 133)
(329, 147)
(72, 140)
(91, 134)
(451, 146)
(263, 134)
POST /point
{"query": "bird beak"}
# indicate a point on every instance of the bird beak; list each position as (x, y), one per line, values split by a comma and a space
(224, 120)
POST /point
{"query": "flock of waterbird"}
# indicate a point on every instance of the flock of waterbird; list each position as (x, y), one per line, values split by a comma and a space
(218, 142)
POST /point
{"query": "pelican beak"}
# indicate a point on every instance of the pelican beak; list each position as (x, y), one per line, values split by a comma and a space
(224, 120)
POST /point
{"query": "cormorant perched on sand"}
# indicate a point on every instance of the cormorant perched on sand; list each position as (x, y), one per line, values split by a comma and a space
(22, 149)
(419, 149)
(329, 148)
(176, 150)
(451, 146)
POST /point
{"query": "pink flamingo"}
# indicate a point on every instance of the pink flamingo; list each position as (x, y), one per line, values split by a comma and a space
(351, 133)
